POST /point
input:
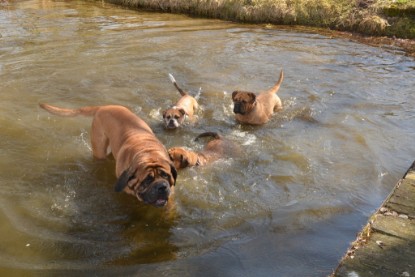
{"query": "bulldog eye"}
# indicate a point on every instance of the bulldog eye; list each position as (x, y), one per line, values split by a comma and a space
(164, 175)
(148, 179)
(176, 117)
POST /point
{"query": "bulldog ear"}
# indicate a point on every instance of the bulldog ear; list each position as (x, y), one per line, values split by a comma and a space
(182, 111)
(123, 180)
(183, 162)
(252, 97)
(174, 173)
(164, 114)
(234, 94)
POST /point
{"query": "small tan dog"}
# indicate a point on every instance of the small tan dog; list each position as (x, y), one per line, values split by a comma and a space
(143, 166)
(213, 150)
(185, 107)
(255, 109)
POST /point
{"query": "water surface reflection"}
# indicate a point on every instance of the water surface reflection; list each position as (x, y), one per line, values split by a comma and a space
(289, 206)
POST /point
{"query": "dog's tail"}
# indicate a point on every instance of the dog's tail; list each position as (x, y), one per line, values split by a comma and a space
(182, 92)
(87, 111)
(276, 87)
(208, 134)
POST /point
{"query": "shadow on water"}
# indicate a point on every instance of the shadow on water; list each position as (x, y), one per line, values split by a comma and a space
(69, 219)
(75, 219)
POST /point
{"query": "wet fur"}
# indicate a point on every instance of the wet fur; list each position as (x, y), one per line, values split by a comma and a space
(253, 109)
(143, 167)
(215, 149)
(185, 107)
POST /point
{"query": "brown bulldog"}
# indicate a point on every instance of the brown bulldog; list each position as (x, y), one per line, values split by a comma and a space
(213, 150)
(185, 107)
(255, 109)
(143, 166)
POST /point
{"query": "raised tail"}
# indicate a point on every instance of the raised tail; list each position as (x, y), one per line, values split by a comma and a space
(87, 111)
(276, 87)
(208, 134)
(182, 92)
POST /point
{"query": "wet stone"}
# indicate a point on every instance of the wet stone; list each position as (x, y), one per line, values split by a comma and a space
(386, 246)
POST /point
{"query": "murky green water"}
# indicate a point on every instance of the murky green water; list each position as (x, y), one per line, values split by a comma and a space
(289, 206)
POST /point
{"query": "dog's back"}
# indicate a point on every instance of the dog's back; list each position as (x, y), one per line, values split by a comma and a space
(218, 146)
(208, 134)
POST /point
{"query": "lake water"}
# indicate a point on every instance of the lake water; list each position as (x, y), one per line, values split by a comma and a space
(289, 205)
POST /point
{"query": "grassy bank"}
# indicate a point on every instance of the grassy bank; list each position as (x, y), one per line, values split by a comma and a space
(369, 17)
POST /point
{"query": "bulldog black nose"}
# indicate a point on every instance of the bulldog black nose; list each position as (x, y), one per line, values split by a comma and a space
(161, 187)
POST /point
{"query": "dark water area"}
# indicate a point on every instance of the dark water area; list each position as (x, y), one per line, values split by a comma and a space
(289, 205)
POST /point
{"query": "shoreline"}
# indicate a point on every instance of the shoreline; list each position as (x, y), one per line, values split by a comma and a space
(384, 246)
(366, 21)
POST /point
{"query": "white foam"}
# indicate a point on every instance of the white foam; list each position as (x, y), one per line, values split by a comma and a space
(352, 274)
(155, 113)
(249, 139)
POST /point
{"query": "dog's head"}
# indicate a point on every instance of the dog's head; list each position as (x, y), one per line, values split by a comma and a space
(182, 158)
(173, 117)
(151, 182)
(243, 102)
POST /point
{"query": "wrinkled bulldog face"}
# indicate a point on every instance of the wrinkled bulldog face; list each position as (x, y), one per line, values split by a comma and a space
(173, 117)
(152, 185)
(243, 102)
